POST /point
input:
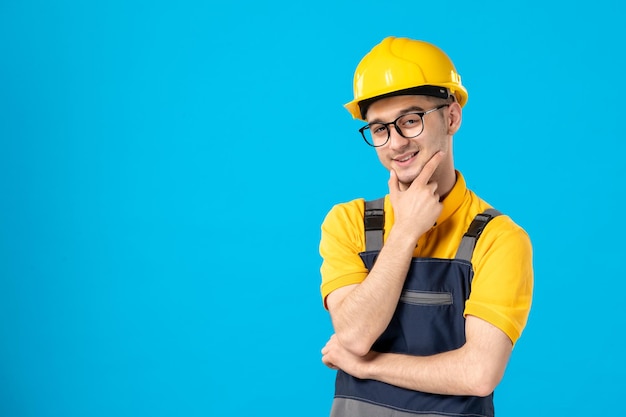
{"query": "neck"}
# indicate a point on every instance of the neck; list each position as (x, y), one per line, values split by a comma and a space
(445, 184)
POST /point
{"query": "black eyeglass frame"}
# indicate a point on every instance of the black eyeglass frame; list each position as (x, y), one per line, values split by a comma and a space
(421, 114)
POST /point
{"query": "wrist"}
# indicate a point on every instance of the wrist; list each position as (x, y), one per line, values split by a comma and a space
(404, 236)
(370, 366)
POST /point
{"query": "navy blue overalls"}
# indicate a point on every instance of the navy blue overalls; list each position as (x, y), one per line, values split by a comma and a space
(428, 320)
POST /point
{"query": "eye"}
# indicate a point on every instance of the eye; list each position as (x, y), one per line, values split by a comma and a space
(378, 129)
(410, 120)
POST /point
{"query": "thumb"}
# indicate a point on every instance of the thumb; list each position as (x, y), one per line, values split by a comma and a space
(393, 181)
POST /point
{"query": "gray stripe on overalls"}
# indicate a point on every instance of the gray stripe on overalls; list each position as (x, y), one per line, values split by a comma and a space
(350, 407)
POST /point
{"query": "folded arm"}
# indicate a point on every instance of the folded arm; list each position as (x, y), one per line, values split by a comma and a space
(474, 369)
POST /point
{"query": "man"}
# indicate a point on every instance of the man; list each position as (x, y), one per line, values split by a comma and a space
(429, 289)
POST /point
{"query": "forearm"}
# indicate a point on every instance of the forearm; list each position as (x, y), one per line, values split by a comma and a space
(449, 373)
(360, 316)
(474, 369)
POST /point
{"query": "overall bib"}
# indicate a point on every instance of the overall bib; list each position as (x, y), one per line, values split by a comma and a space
(428, 320)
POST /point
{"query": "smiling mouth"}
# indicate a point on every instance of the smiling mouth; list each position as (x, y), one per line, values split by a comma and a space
(405, 158)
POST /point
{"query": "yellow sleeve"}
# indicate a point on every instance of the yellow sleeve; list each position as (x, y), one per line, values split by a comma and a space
(342, 240)
(503, 278)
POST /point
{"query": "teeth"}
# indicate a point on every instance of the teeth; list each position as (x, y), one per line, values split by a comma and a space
(407, 158)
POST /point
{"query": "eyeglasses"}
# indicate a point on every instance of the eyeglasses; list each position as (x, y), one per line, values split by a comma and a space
(408, 125)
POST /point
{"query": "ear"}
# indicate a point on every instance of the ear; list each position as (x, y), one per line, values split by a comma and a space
(455, 116)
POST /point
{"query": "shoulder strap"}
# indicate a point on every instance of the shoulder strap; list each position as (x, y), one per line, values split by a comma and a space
(374, 221)
(468, 242)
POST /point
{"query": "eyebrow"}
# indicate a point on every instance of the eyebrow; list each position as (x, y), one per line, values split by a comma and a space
(402, 112)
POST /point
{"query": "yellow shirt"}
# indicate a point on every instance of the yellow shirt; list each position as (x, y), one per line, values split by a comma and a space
(502, 286)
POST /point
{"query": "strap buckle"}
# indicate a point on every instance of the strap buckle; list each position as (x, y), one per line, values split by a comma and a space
(374, 219)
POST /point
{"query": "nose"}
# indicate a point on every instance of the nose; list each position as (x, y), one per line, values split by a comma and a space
(396, 140)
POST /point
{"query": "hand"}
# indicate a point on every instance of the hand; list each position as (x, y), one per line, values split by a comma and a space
(335, 356)
(417, 208)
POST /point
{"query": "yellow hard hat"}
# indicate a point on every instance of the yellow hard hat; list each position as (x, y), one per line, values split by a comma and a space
(401, 66)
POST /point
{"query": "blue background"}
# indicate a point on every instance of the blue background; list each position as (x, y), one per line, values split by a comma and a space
(164, 170)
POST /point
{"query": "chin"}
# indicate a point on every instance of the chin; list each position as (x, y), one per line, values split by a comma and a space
(408, 177)
(407, 180)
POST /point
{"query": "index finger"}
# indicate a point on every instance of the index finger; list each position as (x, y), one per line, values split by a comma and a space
(429, 168)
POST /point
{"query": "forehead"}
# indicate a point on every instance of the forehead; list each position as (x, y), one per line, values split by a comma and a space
(392, 107)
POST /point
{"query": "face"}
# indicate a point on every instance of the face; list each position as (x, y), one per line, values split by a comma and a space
(407, 157)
